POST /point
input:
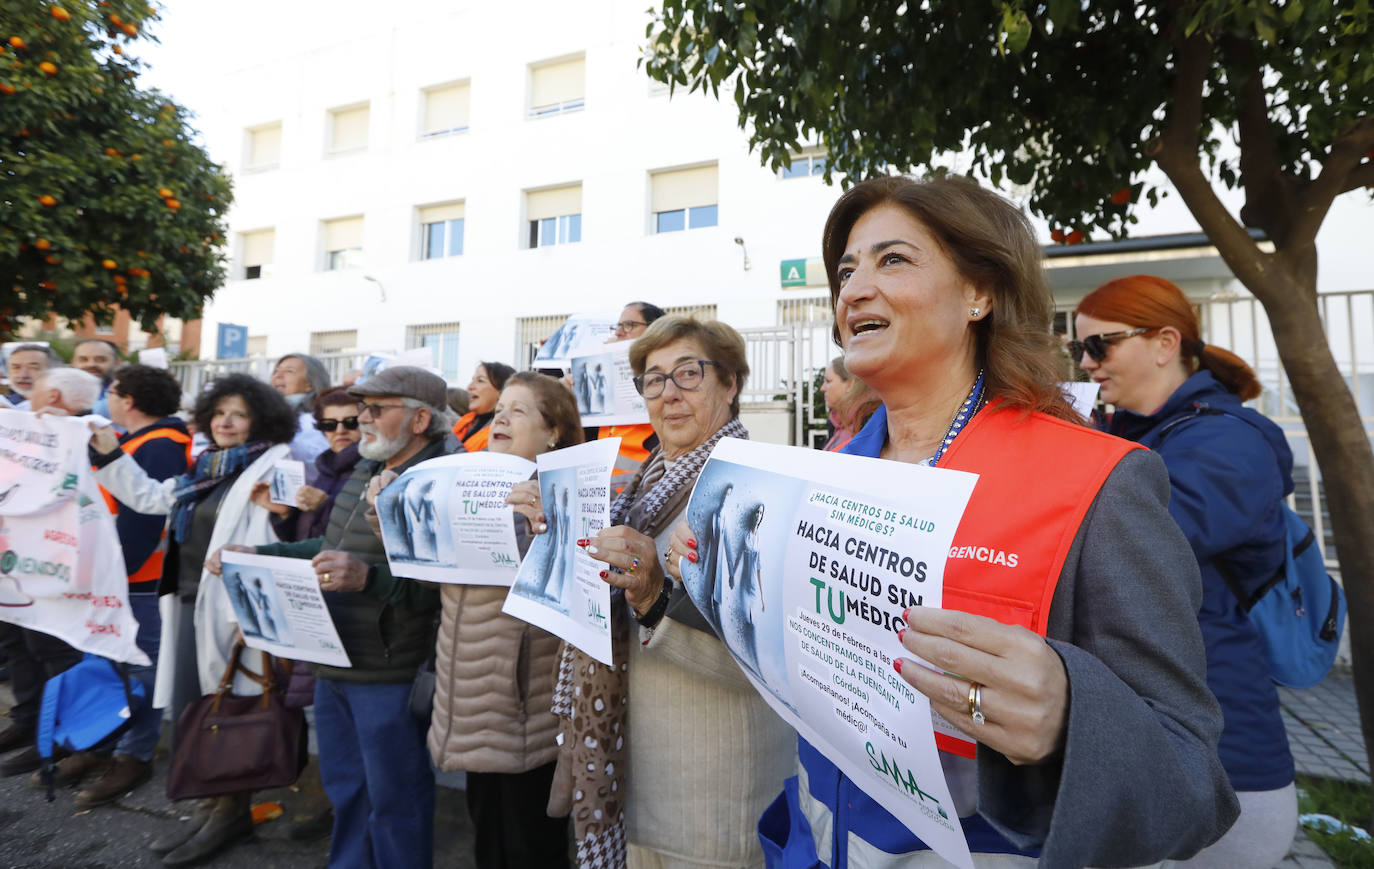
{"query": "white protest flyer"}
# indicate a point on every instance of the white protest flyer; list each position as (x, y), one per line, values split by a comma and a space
(280, 609)
(447, 520)
(560, 588)
(288, 476)
(61, 566)
(1082, 395)
(807, 561)
(604, 387)
(579, 334)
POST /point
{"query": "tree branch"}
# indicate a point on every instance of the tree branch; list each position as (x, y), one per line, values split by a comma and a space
(1360, 176)
(1176, 152)
(1268, 192)
(1316, 196)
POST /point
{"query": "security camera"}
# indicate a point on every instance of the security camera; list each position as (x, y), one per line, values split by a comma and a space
(739, 241)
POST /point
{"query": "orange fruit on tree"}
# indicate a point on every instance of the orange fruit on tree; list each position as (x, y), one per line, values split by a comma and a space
(168, 142)
(1057, 236)
(49, 67)
(61, 14)
(109, 263)
(6, 89)
(131, 28)
(42, 244)
(16, 42)
(1122, 196)
(47, 200)
(53, 259)
(1075, 237)
(47, 285)
(114, 16)
(111, 152)
(165, 192)
(173, 204)
(135, 156)
(118, 50)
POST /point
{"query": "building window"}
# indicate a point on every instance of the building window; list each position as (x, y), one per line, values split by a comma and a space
(531, 333)
(343, 243)
(263, 147)
(333, 342)
(804, 165)
(348, 129)
(684, 199)
(555, 216)
(441, 231)
(258, 250)
(446, 110)
(558, 88)
(442, 340)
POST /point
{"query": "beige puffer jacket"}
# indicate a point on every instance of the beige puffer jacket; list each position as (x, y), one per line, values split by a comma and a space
(493, 694)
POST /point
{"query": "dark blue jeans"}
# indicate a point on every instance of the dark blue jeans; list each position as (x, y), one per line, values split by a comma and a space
(375, 769)
(146, 726)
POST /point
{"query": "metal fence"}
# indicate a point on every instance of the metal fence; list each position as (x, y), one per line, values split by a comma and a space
(786, 361)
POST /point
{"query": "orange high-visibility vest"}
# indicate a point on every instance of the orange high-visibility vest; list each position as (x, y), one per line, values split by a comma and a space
(151, 569)
(632, 451)
(1008, 551)
(477, 441)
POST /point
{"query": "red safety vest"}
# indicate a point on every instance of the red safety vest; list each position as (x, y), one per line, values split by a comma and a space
(151, 569)
(1010, 546)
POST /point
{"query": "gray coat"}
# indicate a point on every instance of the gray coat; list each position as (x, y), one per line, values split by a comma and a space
(1106, 609)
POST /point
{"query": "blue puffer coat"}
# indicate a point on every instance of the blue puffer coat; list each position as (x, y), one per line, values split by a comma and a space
(1227, 476)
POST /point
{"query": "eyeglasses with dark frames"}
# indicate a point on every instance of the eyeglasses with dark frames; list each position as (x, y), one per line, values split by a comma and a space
(376, 410)
(688, 377)
(348, 422)
(1097, 346)
(629, 325)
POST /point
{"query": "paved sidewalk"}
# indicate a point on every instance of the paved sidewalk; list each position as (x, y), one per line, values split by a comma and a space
(1323, 726)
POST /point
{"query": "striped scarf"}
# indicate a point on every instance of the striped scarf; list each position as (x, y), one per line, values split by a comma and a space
(591, 699)
(212, 468)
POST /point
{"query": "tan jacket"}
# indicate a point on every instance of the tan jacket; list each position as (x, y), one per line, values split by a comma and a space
(494, 678)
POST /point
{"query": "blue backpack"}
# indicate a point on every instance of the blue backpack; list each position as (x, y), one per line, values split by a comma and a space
(1300, 610)
(90, 703)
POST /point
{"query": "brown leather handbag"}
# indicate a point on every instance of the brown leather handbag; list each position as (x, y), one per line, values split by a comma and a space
(229, 743)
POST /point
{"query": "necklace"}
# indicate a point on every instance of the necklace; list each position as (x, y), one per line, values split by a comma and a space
(961, 418)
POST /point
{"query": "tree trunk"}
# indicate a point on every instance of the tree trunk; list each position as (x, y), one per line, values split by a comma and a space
(1343, 452)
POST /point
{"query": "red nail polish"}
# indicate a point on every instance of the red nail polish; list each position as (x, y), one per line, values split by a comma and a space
(901, 634)
(692, 557)
(897, 664)
(692, 544)
(906, 614)
(605, 574)
(584, 542)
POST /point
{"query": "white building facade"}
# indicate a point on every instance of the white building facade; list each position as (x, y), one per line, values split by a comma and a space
(440, 187)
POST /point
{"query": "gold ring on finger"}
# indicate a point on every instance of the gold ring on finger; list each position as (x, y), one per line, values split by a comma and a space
(975, 703)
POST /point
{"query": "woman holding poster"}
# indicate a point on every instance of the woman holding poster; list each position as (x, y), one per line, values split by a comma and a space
(251, 426)
(1229, 469)
(494, 672)
(1081, 696)
(697, 722)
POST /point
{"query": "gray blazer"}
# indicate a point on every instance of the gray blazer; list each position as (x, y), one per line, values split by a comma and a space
(1139, 779)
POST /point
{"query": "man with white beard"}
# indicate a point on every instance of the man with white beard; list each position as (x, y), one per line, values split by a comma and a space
(373, 760)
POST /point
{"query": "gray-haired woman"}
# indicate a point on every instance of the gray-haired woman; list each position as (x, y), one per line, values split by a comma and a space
(299, 378)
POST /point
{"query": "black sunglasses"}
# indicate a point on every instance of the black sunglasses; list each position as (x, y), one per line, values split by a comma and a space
(349, 422)
(1097, 346)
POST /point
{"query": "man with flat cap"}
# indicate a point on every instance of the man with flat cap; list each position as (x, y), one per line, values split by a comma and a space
(373, 760)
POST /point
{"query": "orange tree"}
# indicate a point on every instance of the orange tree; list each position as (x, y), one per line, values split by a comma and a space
(105, 197)
(1078, 100)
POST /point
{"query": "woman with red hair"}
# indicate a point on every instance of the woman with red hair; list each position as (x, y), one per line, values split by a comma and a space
(1229, 467)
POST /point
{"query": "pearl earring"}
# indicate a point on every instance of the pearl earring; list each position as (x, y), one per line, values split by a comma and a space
(974, 312)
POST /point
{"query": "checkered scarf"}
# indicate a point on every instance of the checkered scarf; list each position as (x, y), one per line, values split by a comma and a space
(590, 781)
